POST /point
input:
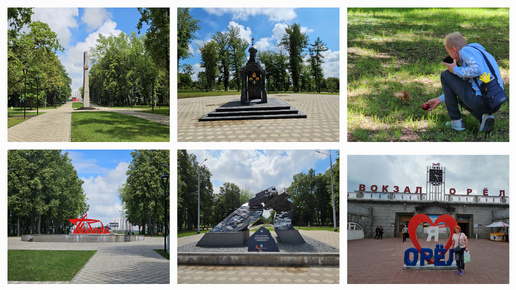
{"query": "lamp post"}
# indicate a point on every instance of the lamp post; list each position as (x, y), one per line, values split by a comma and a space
(332, 194)
(37, 95)
(152, 93)
(199, 197)
(164, 181)
(25, 71)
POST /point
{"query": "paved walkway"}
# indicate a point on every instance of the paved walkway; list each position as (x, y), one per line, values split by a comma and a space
(162, 119)
(321, 125)
(113, 263)
(257, 275)
(53, 126)
(381, 262)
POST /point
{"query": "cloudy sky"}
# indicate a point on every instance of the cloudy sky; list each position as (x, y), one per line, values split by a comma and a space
(260, 169)
(462, 172)
(78, 30)
(103, 172)
(267, 27)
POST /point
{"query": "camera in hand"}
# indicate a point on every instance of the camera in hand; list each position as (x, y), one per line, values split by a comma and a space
(448, 59)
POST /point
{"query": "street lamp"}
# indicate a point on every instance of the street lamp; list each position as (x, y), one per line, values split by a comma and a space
(332, 194)
(25, 72)
(37, 95)
(152, 93)
(199, 197)
(164, 181)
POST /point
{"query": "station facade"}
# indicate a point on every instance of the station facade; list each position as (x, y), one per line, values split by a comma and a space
(371, 206)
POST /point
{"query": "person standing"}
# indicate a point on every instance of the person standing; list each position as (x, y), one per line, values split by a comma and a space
(377, 233)
(405, 233)
(381, 233)
(459, 239)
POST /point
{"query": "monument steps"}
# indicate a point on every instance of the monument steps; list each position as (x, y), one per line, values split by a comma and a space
(274, 109)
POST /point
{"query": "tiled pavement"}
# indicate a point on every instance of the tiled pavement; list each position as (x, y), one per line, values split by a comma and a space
(113, 263)
(53, 126)
(321, 125)
(188, 274)
(381, 261)
(257, 275)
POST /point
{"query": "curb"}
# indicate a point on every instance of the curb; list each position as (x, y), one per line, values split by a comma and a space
(259, 259)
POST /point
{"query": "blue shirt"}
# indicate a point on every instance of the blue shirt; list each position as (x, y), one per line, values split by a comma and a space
(474, 65)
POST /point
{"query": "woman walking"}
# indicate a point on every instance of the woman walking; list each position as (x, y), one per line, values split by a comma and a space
(461, 240)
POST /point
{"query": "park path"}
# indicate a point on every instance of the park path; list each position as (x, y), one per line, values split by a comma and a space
(113, 263)
(161, 119)
(53, 126)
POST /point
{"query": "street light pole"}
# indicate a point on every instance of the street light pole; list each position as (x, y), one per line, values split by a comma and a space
(164, 180)
(332, 193)
(199, 197)
(25, 71)
(37, 95)
(152, 93)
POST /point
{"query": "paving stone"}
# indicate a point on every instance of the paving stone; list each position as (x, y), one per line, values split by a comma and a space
(322, 112)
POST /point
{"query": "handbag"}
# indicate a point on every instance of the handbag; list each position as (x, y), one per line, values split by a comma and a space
(467, 257)
(492, 92)
(457, 249)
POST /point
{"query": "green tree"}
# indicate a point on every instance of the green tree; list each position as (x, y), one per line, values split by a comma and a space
(316, 61)
(237, 47)
(157, 40)
(142, 193)
(222, 40)
(209, 61)
(230, 194)
(186, 28)
(295, 42)
(44, 191)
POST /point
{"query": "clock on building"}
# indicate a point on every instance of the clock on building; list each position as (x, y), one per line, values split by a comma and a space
(436, 175)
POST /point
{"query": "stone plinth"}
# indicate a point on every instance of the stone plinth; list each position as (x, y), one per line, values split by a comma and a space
(224, 239)
(290, 237)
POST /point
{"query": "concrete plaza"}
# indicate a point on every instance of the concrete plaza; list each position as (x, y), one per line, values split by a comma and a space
(113, 263)
(373, 261)
(321, 124)
(227, 274)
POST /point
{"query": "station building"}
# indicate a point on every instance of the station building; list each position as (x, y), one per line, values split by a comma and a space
(372, 206)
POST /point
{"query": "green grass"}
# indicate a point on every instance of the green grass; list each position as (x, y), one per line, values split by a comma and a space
(77, 105)
(115, 127)
(159, 111)
(395, 50)
(183, 94)
(15, 118)
(163, 253)
(28, 265)
(186, 233)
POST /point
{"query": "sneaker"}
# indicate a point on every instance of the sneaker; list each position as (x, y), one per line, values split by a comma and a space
(461, 273)
(458, 272)
(487, 124)
(456, 125)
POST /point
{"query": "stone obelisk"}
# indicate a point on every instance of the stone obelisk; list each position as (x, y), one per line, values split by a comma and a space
(85, 85)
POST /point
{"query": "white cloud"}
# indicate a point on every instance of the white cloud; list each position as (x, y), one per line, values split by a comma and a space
(264, 44)
(95, 17)
(245, 32)
(74, 58)
(273, 14)
(257, 170)
(196, 69)
(279, 30)
(60, 20)
(101, 192)
(331, 65)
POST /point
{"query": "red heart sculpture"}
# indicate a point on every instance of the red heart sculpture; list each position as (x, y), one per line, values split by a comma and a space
(420, 218)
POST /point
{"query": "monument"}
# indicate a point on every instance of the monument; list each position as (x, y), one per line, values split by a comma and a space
(253, 79)
(233, 231)
(262, 241)
(85, 83)
(253, 103)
